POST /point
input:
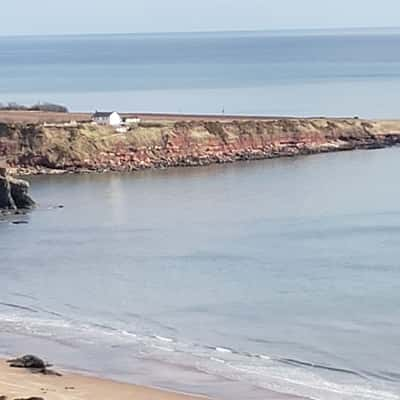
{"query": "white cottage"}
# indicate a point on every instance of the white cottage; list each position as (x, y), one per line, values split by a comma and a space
(107, 118)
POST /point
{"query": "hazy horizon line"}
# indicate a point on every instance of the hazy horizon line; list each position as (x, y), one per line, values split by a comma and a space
(199, 32)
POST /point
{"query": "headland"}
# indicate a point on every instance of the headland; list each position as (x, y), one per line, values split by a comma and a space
(40, 143)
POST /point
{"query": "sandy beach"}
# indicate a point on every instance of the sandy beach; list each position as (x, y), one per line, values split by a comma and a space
(18, 383)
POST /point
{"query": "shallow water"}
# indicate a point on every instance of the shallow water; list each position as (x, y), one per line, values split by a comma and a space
(223, 280)
(303, 73)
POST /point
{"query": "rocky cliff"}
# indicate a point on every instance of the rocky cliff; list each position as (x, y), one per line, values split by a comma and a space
(40, 148)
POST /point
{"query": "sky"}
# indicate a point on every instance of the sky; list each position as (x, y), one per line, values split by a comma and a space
(21, 17)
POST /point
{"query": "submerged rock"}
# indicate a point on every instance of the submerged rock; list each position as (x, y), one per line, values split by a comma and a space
(14, 193)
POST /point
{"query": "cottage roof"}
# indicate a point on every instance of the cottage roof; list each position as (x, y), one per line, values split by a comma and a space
(100, 114)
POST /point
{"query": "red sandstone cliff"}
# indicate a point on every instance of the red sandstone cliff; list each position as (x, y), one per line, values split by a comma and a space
(39, 148)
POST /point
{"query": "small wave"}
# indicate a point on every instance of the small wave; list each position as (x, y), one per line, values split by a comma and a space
(263, 357)
(54, 313)
(18, 307)
(384, 375)
(394, 375)
(221, 349)
(299, 363)
(164, 339)
(103, 326)
(224, 350)
(25, 296)
(162, 348)
(72, 307)
(151, 322)
(126, 333)
(218, 360)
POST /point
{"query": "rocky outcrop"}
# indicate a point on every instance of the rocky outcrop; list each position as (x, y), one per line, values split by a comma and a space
(20, 194)
(30, 398)
(33, 364)
(14, 193)
(6, 200)
(40, 148)
(29, 362)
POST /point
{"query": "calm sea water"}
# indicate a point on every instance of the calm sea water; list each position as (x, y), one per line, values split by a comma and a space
(231, 280)
(335, 73)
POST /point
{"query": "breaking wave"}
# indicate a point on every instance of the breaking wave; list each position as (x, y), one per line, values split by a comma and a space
(287, 375)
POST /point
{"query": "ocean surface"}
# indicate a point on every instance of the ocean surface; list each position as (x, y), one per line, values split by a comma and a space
(229, 281)
(303, 73)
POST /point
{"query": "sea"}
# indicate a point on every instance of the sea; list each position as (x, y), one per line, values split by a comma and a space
(228, 281)
(264, 279)
(299, 73)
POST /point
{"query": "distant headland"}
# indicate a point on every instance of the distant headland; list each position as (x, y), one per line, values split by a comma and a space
(40, 142)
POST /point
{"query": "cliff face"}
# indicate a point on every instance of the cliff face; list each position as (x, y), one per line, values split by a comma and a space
(36, 148)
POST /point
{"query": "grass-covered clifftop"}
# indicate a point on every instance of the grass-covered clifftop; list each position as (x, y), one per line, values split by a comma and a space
(38, 147)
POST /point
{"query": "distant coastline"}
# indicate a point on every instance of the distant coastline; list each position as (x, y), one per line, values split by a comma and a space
(272, 32)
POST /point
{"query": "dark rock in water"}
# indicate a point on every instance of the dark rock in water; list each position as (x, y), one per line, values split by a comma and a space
(6, 200)
(20, 195)
(14, 193)
(19, 222)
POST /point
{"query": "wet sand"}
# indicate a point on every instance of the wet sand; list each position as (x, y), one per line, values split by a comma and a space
(19, 383)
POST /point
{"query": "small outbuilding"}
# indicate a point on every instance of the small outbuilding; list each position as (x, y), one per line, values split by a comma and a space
(107, 118)
(132, 120)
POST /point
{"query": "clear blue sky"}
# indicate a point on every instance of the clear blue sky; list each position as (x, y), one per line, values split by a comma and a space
(105, 16)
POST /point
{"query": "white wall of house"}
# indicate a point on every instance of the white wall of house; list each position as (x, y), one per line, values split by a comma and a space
(115, 119)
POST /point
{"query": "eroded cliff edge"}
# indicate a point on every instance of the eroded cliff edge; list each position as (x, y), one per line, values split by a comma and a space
(41, 148)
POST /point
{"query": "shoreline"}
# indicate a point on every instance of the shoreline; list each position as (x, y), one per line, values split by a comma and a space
(43, 171)
(27, 171)
(77, 386)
